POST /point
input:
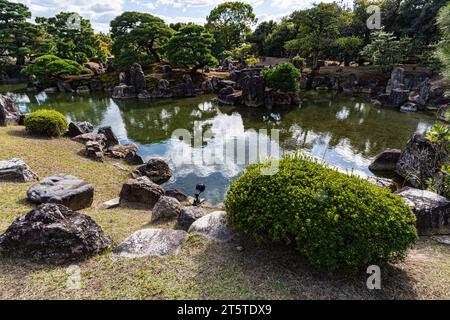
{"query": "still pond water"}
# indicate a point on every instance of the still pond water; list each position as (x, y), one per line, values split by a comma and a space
(345, 132)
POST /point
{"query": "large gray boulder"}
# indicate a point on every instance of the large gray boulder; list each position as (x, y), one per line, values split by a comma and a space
(78, 128)
(137, 78)
(85, 137)
(213, 226)
(157, 170)
(189, 215)
(64, 189)
(432, 210)
(9, 114)
(189, 90)
(162, 90)
(386, 160)
(207, 86)
(420, 160)
(53, 233)
(151, 242)
(177, 194)
(253, 91)
(125, 151)
(111, 138)
(166, 208)
(94, 150)
(123, 91)
(64, 87)
(141, 191)
(16, 170)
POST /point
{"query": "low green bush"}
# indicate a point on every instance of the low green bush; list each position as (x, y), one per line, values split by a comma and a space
(338, 221)
(46, 122)
(284, 77)
(47, 67)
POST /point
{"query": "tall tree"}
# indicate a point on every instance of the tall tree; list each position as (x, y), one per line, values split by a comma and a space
(190, 47)
(386, 49)
(138, 37)
(317, 28)
(262, 31)
(19, 38)
(230, 23)
(274, 43)
(73, 36)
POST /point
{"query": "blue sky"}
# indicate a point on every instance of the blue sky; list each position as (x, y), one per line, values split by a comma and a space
(101, 12)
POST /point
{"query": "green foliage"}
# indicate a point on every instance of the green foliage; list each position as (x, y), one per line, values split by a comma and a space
(190, 48)
(348, 48)
(273, 46)
(46, 122)
(138, 37)
(48, 67)
(337, 221)
(385, 49)
(318, 27)
(439, 134)
(258, 37)
(443, 51)
(242, 53)
(229, 23)
(19, 38)
(283, 77)
(78, 44)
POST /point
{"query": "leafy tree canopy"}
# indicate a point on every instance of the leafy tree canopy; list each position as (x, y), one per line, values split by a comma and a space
(19, 38)
(230, 22)
(386, 49)
(138, 37)
(73, 37)
(190, 47)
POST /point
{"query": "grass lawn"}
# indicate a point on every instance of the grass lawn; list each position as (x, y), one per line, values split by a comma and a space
(202, 269)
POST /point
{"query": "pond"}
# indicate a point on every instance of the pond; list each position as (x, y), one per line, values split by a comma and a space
(346, 132)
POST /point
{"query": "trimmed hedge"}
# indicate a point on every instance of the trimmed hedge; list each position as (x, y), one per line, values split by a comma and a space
(49, 66)
(339, 222)
(46, 122)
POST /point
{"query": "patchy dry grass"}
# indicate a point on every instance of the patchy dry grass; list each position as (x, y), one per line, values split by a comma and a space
(203, 269)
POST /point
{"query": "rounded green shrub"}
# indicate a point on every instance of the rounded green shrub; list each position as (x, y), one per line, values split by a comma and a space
(338, 221)
(284, 77)
(46, 122)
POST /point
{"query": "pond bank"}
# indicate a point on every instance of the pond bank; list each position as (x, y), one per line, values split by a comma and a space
(202, 269)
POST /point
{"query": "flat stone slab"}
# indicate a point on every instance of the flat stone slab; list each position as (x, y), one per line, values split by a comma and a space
(382, 182)
(70, 191)
(113, 203)
(432, 210)
(443, 239)
(212, 226)
(16, 170)
(151, 242)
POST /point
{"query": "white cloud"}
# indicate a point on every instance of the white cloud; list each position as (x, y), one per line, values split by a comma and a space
(168, 20)
(99, 12)
(300, 4)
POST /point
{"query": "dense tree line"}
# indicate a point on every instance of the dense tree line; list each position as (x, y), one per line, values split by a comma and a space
(325, 31)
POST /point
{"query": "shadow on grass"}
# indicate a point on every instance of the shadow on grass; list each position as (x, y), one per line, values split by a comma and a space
(22, 133)
(276, 271)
